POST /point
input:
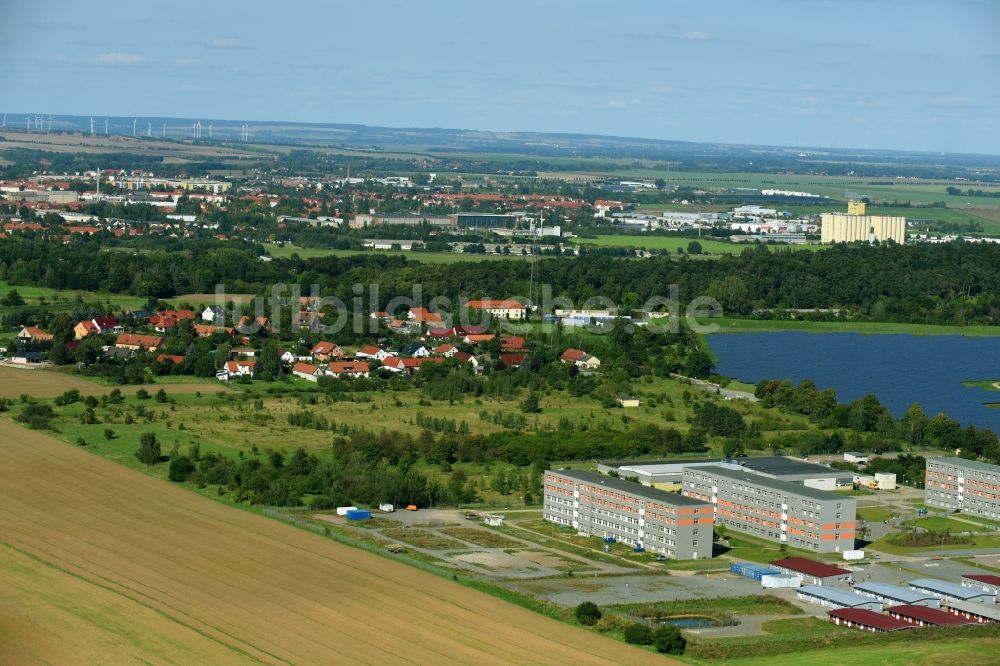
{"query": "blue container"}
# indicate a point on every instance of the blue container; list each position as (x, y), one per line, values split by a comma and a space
(359, 514)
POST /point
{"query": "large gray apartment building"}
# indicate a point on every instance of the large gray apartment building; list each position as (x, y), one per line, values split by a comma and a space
(963, 485)
(669, 523)
(782, 511)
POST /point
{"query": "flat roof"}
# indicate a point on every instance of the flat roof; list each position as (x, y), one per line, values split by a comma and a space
(894, 592)
(972, 464)
(788, 487)
(871, 619)
(950, 589)
(809, 567)
(988, 579)
(986, 611)
(631, 487)
(841, 597)
(929, 615)
(782, 466)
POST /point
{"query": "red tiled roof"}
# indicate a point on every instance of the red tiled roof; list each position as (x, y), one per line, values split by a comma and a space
(869, 618)
(928, 615)
(348, 367)
(440, 332)
(513, 359)
(132, 340)
(573, 355)
(307, 368)
(177, 359)
(989, 579)
(809, 567)
(488, 303)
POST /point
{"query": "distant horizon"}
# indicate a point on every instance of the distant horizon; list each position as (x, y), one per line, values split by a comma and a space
(907, 75)
(14, 119)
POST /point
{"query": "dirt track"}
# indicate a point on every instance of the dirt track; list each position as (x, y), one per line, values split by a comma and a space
(104, 564)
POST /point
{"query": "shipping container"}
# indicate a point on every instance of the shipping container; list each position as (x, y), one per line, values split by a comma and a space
(388, 508)
(359, 514)
(854, 554)
(781, 581)
(342, 510)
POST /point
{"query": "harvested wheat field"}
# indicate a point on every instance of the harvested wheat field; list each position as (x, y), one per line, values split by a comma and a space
(40, 383)
(102, 564)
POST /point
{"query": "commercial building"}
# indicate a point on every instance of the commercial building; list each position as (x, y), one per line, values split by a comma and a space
(830, 597)
(866, 620)
(922, 616)
(362, 220)
(813, 572)
(504, 309)
(896, 594)
(969, 486)
(946, 591)
(988, 582)
(782, 511)
(669, 474)
(846, 228)
(982, 613)
(598, 505)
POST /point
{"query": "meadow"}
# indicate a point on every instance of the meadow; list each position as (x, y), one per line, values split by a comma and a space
(151, 572)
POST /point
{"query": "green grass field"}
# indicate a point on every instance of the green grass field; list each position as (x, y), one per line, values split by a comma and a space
(875, 514)
(966, 651)
(940, 524)
(669, 243)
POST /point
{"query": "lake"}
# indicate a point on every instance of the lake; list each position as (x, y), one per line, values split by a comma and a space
(899, 369)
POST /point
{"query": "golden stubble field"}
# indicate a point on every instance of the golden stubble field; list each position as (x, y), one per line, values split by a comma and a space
(101, 564)
(49, 384)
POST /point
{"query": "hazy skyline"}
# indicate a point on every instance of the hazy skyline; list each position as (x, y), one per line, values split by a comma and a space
(915, 74)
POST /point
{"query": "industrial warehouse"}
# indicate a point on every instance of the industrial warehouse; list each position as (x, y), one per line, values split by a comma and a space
(963, 485)
(855, 226)
(628, 512)
(781, 511)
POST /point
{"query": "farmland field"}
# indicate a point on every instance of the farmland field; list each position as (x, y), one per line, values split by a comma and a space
(144, 571)
(672, 243)
(48, 383)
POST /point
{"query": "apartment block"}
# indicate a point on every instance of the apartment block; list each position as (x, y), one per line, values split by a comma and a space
(596, 505)
(963, 485)
(781, 511)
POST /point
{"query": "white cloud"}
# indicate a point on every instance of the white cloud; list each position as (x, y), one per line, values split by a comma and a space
(117, 58)
(697, 35)
(185, 62)
(616, 104)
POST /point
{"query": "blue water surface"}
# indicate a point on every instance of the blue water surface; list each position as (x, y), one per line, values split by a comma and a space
(899, 369)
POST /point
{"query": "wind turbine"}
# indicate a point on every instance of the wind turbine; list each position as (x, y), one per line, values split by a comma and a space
(134, 122)
(92, 126)
(105, 127)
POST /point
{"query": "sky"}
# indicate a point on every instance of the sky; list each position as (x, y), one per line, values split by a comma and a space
(893, 74)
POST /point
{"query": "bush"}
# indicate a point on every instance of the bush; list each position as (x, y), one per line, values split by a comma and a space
(588, 613)
(142, 394)
(149, 449)
(181, 468)
(638, 634)
(609, 623)
(669, 640)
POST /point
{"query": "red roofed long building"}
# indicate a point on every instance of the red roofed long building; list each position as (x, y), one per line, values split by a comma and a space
(813, 572)
(136, 342)
(504, 309)
(866, 620)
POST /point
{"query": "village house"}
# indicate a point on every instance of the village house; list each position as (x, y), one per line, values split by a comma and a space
(34, 334)
(348, 369)
(254, 325)
(511, 343)
(424, 316)
(176, 359)
(236, 369)
(308, 371)
(325, 351)
(580, 359)
(214, 314)
(207, 330)
(136, 342)
(415, 350)
(446, 349)
(96, 325)
(371, 351)
(307, 320)
(513, 360)
(478, 339)
(503, 309)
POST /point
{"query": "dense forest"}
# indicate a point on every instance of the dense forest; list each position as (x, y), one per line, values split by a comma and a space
(933, 284)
